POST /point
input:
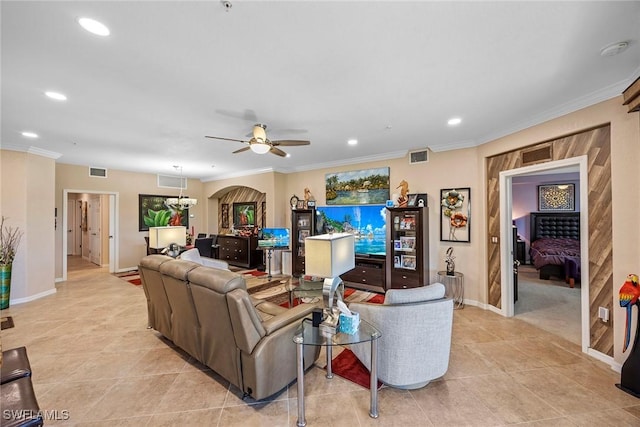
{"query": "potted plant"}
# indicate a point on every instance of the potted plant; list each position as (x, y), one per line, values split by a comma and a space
(9, 241)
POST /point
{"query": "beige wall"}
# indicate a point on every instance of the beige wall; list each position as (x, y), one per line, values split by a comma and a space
(28, 203)
(458, 168)
(127, 186)
(625, 157)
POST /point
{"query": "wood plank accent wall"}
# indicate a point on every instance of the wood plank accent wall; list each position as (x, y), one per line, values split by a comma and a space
(241, 195)
(596, 144)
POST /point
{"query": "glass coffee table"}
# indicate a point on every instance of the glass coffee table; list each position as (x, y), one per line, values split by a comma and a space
(307, 334)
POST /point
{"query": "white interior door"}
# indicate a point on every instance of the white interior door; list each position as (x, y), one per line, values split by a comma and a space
(71, 228)
(95, 240)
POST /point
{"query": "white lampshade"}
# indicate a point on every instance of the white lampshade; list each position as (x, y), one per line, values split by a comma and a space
(161, 237)
(329, 255)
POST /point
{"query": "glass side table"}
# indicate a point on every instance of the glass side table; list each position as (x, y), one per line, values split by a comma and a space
(454, 287)
(307, 334)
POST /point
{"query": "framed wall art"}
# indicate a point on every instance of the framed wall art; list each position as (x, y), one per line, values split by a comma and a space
(557, 197)
(153, 212)
(455, 215)
(224, 209)
(244, 214)
(361, 187)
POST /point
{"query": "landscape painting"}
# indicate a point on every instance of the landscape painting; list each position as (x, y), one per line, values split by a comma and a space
(361, 187)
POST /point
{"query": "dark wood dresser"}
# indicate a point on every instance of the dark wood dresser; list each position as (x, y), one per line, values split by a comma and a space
(240, 251)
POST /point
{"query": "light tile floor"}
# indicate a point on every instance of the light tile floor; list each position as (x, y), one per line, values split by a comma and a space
(93, 357)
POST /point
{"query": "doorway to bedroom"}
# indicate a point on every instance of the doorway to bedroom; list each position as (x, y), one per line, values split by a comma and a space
(544, 295)
(548, 302)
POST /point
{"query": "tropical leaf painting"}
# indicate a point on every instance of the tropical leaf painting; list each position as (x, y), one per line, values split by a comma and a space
(153, 212)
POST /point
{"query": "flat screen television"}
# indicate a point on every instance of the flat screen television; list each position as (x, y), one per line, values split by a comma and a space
(274, 238)
(366, 222)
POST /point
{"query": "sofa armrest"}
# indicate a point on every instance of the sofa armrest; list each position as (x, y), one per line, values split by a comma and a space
(296, 313)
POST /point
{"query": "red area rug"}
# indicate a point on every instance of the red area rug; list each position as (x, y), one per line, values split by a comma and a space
(254, 273)
(132, 277)
(347, 365)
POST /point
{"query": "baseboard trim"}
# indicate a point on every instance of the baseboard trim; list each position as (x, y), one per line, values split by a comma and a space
(605, 359)
(33, 297)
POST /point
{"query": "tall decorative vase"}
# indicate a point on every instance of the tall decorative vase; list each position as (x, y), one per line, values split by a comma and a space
(5, 285)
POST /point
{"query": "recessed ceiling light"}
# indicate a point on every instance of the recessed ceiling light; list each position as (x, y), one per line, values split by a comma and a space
(288, 155)
(56, 95)
(94, 27)
(352, 142)
(454, 121)
(29, 134)
(614, 48)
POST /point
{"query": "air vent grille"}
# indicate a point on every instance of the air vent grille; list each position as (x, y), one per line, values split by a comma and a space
(538, 154)
(98, 172)
(421, 156)
(169, 181)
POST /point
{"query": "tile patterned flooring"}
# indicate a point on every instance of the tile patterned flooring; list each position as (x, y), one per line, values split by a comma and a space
(93, 356)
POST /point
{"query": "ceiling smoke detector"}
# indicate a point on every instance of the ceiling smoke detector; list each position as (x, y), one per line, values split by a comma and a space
(614, 48)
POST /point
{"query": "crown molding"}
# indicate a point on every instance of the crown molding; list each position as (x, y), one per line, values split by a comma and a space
(353, 160)
(585, 101)
(32, 150)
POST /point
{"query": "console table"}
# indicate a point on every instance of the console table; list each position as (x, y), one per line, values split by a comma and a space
(239, 251)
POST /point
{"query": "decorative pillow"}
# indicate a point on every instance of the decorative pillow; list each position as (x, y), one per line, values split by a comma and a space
(424, 293)
(191, 255)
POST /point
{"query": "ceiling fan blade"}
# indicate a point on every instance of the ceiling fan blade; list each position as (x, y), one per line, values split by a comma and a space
(290, 142)
(242, 149)
(225, 139)
(278, 152)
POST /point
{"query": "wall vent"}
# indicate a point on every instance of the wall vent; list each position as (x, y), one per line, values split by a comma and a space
(421, 156)
(537, 154)
(169, 181)
(98, 172)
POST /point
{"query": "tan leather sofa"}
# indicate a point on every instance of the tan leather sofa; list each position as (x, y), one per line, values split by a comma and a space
(208, 313)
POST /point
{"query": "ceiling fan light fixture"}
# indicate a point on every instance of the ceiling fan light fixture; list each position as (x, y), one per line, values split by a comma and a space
(260, 147)
(260, 133)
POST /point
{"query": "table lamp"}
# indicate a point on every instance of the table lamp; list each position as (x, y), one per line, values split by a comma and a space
(162, 237)
(329, 256)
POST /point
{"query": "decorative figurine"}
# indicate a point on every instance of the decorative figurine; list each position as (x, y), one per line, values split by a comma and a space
(404, 190)
(630, 375)
(451, 265)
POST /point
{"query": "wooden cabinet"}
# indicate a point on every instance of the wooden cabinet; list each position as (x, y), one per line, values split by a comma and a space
(303, 225)
(407, 247)
(239, 251)
(369, 274)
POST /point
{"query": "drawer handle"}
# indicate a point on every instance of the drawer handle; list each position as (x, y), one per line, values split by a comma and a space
(364, 280)
(404, 277)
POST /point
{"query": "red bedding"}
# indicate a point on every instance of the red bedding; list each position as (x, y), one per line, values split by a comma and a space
(554, 251)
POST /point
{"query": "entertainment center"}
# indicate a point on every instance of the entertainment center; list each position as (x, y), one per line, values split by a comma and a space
(392, 244)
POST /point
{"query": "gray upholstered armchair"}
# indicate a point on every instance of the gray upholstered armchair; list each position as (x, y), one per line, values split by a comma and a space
(416, 335)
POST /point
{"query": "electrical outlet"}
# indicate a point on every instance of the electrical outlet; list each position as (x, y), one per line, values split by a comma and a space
(494, 239)
(603, 313)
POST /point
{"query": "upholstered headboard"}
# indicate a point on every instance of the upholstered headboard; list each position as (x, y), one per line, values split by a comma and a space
(555, 225)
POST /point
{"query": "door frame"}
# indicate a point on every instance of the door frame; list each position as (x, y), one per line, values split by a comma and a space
(114, 208)
(506, 249)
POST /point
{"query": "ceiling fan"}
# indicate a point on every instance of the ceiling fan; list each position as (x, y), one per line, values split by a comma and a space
(260, 144)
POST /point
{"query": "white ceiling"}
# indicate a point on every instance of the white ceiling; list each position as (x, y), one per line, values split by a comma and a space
(387, 73)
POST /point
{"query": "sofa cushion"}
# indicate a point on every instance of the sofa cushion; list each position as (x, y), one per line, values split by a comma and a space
(424, 293)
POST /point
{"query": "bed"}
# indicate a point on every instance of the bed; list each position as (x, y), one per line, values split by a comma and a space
(555, 245)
